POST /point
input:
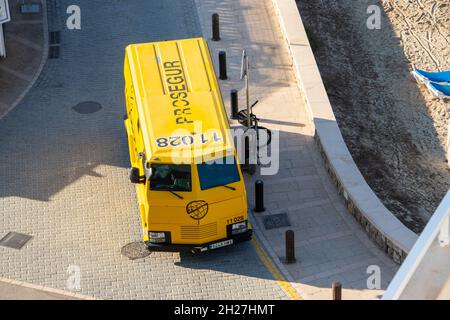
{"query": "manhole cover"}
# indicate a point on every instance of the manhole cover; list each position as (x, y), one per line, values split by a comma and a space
(274, 221)
(135, 250)
(15, 240)
(87, 107)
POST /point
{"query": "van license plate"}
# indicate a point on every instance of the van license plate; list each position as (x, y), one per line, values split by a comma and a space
(221, 244)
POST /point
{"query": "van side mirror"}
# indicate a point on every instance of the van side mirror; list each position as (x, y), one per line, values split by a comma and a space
(135, 177)
(148, 172)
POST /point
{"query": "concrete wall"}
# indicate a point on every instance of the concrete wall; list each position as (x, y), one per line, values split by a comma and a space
(379, 223)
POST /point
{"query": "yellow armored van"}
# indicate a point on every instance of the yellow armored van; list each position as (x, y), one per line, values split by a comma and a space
(188, 180)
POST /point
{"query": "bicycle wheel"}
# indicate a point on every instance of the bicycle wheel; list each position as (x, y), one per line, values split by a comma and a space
(242, 117)
(267, 133)
(262, 131)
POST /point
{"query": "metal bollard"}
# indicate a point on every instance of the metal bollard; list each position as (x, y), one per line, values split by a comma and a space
(290, 247)
(246, 151)
(215, 27)
(234, 103)
(222, 65)
(259, 196)
(248, 167)
(337, 290)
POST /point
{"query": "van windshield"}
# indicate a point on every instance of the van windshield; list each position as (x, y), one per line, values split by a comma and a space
(171, 177)
(218, 172)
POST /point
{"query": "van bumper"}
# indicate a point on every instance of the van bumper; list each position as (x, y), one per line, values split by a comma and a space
(198, 248)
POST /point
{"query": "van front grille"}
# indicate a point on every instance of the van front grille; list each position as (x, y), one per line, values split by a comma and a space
(199, 232)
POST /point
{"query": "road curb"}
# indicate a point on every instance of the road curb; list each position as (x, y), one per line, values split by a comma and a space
(257, 231)
(273, 256)
(46, 289)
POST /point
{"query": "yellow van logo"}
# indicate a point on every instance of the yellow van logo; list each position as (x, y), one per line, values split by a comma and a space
(197, 209)
(178, 91)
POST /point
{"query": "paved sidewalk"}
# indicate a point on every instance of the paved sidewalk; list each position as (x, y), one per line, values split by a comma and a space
(12, 291)
(25, 49)
(330, 245)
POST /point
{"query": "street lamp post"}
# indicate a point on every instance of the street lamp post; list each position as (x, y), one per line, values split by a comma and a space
(244, 75)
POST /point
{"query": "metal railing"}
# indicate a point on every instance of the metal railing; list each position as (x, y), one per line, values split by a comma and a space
(437, 229)
(448, 142)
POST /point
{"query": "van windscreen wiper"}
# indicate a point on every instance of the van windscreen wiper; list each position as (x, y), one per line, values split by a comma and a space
(175, 194)
(227, 186)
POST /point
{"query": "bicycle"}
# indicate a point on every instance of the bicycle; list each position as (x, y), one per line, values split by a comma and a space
(243, 120)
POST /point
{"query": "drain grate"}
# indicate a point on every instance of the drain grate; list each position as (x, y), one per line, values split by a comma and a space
(53, 52)
(54, 49)
(55, 37)
(87, 107)
(274, 221)
(15, 240)
(135, 250)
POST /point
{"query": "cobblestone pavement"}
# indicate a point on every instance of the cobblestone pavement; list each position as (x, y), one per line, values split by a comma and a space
(64, 174)
(330, 245)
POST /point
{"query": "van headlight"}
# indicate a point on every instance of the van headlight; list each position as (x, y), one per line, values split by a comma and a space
(156, 237)
(238, 228)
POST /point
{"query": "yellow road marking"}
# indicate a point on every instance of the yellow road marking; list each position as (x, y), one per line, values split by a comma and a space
(282, 282)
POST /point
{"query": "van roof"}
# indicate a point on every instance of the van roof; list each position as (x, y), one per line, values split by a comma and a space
(179, 102)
